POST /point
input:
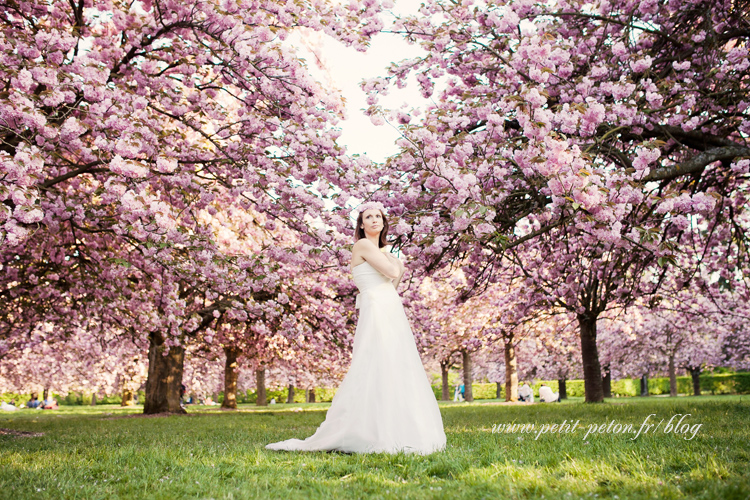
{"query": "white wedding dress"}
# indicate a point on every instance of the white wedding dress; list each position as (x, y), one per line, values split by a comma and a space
(385, 403)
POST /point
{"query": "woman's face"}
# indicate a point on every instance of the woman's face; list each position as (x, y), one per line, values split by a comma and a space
(372, 220)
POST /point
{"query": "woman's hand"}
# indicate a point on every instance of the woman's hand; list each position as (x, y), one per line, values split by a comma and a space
(401, 268)
(383, 262)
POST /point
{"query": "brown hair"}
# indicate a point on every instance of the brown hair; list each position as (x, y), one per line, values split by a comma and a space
(359, 231)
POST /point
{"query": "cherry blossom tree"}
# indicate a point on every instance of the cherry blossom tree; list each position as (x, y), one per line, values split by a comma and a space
(84, 360)
(125, 125)
(580, 139)
(447, 330)
(508, 312)
(556, 354)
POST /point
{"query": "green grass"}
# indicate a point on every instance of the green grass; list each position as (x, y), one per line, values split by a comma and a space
(91, 453)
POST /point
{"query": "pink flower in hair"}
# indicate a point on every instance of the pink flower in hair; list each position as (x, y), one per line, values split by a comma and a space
(371, 205)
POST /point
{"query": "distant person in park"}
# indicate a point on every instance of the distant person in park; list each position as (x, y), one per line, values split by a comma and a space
(547, 396)
(33, 403)
(385, 403)
(50, 403)
(525, 394)
(458, 394)
(8, 406)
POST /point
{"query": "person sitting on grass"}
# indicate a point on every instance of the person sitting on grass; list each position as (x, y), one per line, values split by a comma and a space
(33, 403)
(50, 403)
(525, 394)
(547, 396)
(8, 406)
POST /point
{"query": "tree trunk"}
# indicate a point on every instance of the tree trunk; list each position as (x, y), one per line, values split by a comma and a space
(127, 398)
(672, 377)
(310, 395)
(93, 399)
(468, 396)
(695, 374)
(164, 377)
(592, 371)
(230, 378)
(607, 383)
(499, 390)
(562, 388)
(290, 394)
(644, 385)
(511, 371)
(45, 393)
(446, 390)
(260, 387)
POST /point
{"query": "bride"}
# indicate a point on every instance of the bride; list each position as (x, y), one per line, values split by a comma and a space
(385, 403)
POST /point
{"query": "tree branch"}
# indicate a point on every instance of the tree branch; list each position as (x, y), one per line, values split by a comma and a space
(698, 162)
(86, 169)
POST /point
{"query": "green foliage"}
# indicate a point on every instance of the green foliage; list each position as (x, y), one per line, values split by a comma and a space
(716, 383)
(479, 391)
(71, 398)
(108, 452)
(322, 395)
(711, 383)
(724, 383)
(485, 391)
(13, 396)
(624, 387)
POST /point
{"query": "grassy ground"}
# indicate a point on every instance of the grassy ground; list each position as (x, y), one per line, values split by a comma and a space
(102, 452)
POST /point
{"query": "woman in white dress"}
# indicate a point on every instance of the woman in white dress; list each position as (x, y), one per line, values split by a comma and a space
(385, 403)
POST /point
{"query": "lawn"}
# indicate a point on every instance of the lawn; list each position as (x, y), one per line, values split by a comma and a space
(109, 452)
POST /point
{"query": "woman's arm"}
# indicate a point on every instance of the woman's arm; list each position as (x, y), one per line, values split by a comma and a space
(377, 259)
(401, 267)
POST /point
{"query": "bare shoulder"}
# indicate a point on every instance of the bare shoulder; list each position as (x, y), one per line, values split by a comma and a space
(363, 246)
(364, 243)
(359, 250)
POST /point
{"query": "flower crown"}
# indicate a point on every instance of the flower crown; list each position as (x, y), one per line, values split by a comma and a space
(370, 205)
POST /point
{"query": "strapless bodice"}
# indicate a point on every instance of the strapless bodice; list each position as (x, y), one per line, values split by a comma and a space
(367, 277)
(371, 284)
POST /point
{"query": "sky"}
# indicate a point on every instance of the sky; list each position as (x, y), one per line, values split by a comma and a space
(346, 68)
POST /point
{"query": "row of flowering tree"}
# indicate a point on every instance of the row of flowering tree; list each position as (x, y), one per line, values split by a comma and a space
(598, 147)
(131, 134)
(166, 170)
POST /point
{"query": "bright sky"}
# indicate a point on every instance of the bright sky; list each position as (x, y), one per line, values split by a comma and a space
(347, 68)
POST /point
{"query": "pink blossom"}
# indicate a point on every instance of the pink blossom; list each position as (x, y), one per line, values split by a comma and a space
(71, 129)
(23, 214)
(24, 80)
(619, 49)
(535, 98)
(127, 168)
(482, 229)
(166, 165)
(641, 65)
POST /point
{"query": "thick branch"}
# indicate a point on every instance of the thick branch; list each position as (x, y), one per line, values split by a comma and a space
(86, 169)
(692, 138)
(532, 235)
(698, 162)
